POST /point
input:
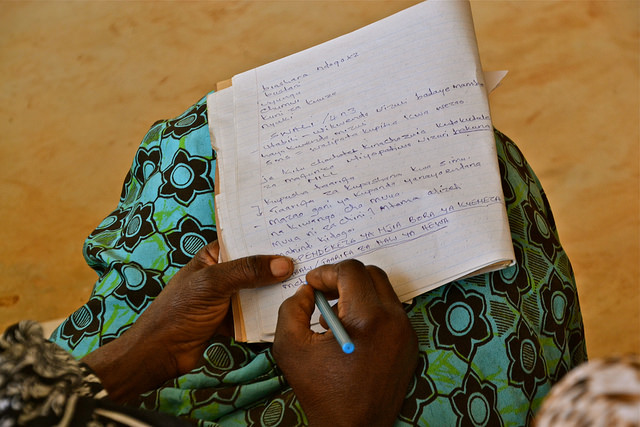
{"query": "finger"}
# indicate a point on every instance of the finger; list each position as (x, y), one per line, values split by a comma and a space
(352, 281)
(324, 279)
(205, 257)
(383, 286)
(323, 321)
(356, 288)
(294, 320)
(249, 272)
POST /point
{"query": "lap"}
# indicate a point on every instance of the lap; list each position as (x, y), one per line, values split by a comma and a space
(491, 346)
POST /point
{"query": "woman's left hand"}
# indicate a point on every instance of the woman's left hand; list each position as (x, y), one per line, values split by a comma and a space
(170, 336)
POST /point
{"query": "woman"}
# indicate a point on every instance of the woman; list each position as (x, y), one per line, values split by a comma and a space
(516, 332)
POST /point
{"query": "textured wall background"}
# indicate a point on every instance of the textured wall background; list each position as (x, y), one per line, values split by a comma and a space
(81, 82)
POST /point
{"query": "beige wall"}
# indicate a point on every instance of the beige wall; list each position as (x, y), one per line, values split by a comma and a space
(80, 83)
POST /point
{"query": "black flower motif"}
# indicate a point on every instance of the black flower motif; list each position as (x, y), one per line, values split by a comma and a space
(154, 134)
(126, 187)
(140, 225)
(207, 396)
(91, 254)
(186, 177)
(527, 367)
(577, 347)
(561, 371)
(539, 230)
(107, 336)
(475, 402)
(149, 400)
(422, 391)
(558, 299)
(460, 319)
(507, 189)
(138, 286)
(186, 123)
(84, 322)
(547, 208)
(282, 409)
(187, 239)
(114, 221)
(146, 162)
(512, 282)
(516, 159)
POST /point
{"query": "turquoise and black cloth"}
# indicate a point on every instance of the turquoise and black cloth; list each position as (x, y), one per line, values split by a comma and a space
(490, 346)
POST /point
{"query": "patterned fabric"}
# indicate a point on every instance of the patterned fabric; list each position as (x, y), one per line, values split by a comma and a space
(490, 346)
(602, 392)
(43, 385)
(38, 379)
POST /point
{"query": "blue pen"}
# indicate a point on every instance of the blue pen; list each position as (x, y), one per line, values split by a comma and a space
(333, 322)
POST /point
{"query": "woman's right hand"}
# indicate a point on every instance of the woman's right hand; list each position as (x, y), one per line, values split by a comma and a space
(366, 387)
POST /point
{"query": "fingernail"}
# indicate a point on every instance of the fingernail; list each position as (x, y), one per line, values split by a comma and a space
(279, 266)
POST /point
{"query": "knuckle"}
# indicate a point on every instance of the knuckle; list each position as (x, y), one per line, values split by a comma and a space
(280, 351)
(284, 307)
(373, 320)
(404, 330)
(377, 272)
(250, 267)
(207, 255)
(350, 263)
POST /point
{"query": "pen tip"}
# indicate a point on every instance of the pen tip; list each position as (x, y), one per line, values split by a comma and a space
(347, 347)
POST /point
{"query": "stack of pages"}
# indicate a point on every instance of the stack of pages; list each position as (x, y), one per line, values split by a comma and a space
(377, 145)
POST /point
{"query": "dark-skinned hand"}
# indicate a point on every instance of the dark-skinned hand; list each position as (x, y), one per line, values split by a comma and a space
(366, 387)
(171, 335)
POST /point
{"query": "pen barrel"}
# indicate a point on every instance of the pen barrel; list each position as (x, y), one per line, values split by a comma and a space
(334, 323)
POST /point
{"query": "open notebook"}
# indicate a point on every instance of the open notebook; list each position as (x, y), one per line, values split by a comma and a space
(377, 145)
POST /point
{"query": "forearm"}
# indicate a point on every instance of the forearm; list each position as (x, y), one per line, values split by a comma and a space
(130, 365)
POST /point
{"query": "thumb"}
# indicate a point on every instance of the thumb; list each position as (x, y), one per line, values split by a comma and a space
(249, 272)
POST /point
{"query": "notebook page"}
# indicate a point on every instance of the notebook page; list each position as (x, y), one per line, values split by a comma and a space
(378, 146)
(221, 110)
(221, 116)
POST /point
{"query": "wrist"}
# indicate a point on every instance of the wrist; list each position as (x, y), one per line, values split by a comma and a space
(352, 414)
(130, 365)
(349, 421)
